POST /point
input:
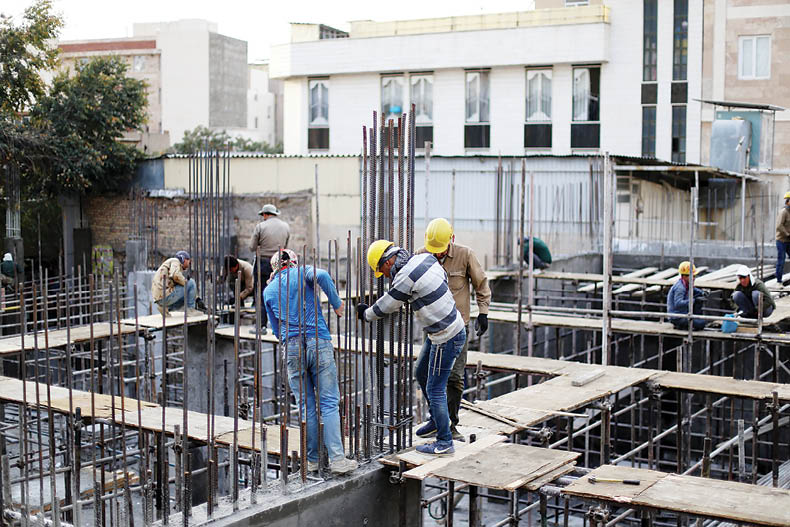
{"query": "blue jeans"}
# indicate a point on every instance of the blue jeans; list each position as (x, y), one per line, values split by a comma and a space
(749, 305)
(321, 372)
(782, 250)
(176, 299)
(433, 369)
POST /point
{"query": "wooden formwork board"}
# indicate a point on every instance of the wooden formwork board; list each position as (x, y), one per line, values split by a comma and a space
(598, 286)
(156, 321)
(723, 500)
(425, 464)
(57, 338)
(505, 466)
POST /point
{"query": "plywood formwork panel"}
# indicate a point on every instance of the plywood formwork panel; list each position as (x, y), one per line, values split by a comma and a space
(57, 338)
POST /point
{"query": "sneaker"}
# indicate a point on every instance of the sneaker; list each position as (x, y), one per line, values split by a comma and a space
(312, 466)
(457, 436)
(437, 448)
(200, 304)
(427, 430)
(191, 312)
(342, 466)
(163, 310)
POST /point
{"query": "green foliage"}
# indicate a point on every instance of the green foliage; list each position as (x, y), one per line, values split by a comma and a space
(203, 138)
(24, 53)
(87, 114)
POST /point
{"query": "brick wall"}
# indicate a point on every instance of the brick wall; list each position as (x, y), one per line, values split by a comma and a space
(111, 219)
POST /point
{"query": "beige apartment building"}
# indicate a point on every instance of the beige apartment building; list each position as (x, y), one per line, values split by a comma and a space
(746, 50)
(143, 59)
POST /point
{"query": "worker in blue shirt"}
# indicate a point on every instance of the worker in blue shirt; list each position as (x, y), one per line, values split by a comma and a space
(318, 367)
(678, 299)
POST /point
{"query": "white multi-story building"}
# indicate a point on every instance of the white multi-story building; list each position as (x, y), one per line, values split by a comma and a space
(562, 78)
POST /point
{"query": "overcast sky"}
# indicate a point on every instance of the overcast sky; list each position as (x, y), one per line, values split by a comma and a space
(261, 23)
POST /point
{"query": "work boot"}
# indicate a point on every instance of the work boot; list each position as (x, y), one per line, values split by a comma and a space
(342, 466)
(163, 310)
(457, 436)
(312, 466)
(200, 304)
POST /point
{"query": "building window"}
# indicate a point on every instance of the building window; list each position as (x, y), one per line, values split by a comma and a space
(648, 131)
(586, 128)
(537, 129)
(318, 127)
(650, 38)
(680, 41)
(138, 63)
(421, 96)
(679, 134)
(391, 98)
(477, 132)
(256, 122)
(754, 57)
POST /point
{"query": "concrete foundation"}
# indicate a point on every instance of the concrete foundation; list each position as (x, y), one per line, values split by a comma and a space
(366, 497)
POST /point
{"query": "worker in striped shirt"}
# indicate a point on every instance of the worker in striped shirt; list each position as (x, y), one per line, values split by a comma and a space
(422, 281)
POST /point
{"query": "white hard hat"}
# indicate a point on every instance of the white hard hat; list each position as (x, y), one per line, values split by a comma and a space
(743, 271)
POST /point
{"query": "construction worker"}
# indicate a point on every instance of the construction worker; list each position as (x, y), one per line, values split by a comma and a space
(746, 296)
(9, 271)
(289, 285)
(271, 234)
(541, 256)
(678, 299)
(231, 270)
(177, 287)
(782, 238)
(462, 268)
(421, 280)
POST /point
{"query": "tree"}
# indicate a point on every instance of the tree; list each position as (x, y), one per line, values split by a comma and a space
(86, 115)
(203, 138)
(24, 53)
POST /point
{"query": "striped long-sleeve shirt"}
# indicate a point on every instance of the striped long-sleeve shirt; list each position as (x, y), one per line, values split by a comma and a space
(422, 282)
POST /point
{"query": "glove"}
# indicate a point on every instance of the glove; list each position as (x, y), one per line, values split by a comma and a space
(361, 308)
(481, 325)
(231, 299)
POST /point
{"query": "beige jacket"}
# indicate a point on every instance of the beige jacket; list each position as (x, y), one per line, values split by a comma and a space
(270, 235)
(463, 268)
(783, 225)
(247, 281)
(171, 268)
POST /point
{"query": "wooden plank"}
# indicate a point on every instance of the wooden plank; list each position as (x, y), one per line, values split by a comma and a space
(587, 377)
(639, 273)
(548, 477)
(617, 492)
(693, 382)
(524, 364)
(427, 464)
(176, 318)
(57, 337)
(728, 500)
(506, 466)
(661, 275)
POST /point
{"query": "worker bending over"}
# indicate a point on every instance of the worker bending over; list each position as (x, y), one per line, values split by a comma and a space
(462, 268)
(231, 270)
(177, 288)
(421, 281)
(749, 293)
(289, 285)
(541, 256)
(678, 299)
(270, 235)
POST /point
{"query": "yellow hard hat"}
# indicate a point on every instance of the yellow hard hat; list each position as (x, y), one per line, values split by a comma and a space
(375, 252)
(787, 195)
(685, 267)
(438, 235)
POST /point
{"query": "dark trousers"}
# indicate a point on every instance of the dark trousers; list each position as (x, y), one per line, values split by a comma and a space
(782, 251)
(265, 271)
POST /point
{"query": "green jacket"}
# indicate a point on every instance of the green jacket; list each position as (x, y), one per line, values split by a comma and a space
(540, 248)
(9, 269)
(755, 285)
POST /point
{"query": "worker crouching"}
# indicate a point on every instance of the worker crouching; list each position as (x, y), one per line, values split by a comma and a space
(678, 299)
(421, 281)
(177, 289)
(749, 293)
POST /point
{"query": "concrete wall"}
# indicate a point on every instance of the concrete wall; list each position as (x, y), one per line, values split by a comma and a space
(227, 81)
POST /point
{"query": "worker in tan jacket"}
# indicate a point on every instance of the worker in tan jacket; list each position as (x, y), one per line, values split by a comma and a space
(782, 238)
(463, 269)
(176, 287)
(270, 236)
(230, 271)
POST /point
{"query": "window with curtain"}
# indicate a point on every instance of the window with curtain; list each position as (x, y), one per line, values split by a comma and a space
(538, 95)
(422, 98)
(318, 124)
(392, 102)
(586, 93)
(477, 97)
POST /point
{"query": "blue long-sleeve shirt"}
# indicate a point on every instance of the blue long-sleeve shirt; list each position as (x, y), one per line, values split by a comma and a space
(678, 298)
(288, 282)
